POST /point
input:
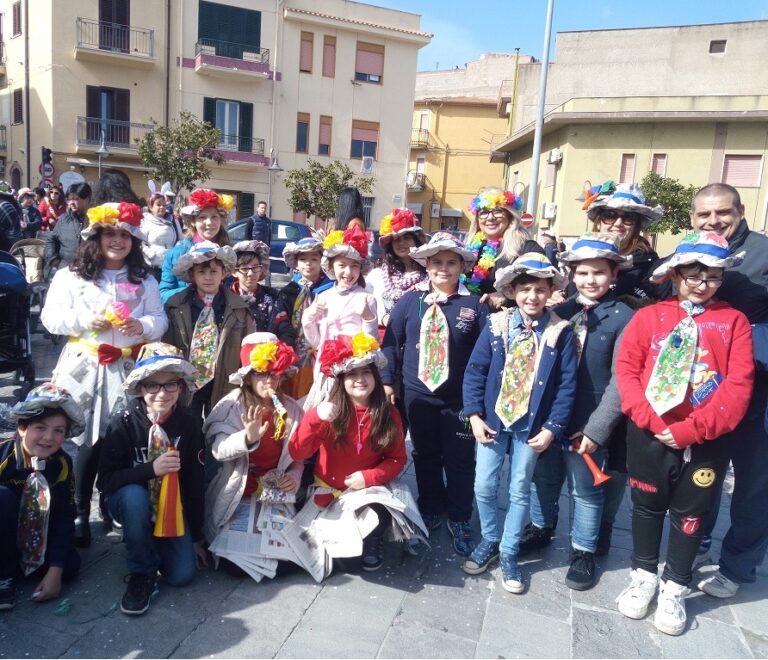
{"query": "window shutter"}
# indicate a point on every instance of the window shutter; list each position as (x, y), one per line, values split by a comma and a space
(91, 101)
(325, 130)
(18, 106)
(209, 110)
(122, 12)
(246, 127)
(659, 164)
(365, 134)
(247, 206)
(627, 171)
(329, 56)
(742, 170)
(305, 54)
(369, 59)
(122, 108)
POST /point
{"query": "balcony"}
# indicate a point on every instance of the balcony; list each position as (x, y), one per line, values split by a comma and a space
(226, 59)
(2, 58)
(237, 150)
(3, 138)
(416, 181)
(117, 134)
(109, 43)
(419, 138)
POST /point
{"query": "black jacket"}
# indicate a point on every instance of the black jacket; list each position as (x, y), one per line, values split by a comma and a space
(64, 239)
(10, 221)
(259, 229)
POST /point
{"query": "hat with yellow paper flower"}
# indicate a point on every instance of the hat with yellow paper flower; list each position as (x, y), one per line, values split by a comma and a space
(264, 353)
(120, 215)
(202, 252)
(205, 198)
(399, 223)
(350, 243)
(344, 353)
(156, 357)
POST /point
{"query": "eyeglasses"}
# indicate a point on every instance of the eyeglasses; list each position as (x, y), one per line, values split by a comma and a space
(154, 388)
(247, 270)
(627, 218)
(695, 282)
(499, 215)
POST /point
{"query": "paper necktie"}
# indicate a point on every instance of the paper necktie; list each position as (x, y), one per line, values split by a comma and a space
(34, 512)
(205, 341)
(518, 375)
(671, 374)
(579, 323)
(164, 492)
(433, 343)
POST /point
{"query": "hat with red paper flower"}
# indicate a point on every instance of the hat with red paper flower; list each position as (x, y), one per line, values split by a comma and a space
(264, 353)
(350, 243)
(495, 198)
(344, 353)
(122, 215)
(398, 223)
(205, 198)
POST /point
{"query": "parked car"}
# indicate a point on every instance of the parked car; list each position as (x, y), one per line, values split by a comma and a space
(283, 231)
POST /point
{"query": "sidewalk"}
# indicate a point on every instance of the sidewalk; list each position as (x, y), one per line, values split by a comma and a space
(416, 606)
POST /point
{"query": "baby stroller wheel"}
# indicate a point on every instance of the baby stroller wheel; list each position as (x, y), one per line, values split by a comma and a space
(29, 379)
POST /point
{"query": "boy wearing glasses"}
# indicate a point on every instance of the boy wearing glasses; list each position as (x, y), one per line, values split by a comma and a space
(151, 437)
(685, 372)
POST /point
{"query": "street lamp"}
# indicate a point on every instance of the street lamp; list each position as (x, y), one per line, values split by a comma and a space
(103, 152)
(273, 168)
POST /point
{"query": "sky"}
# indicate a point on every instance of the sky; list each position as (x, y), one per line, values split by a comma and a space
(465, 29)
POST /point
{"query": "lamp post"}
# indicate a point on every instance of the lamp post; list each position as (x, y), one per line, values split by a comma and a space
(103, 151)
(274, 168)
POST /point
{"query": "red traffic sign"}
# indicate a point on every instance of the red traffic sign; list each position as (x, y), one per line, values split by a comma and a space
(526, 220)
(46, 170)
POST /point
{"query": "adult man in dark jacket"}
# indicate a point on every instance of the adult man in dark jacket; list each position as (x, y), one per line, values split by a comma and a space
(10, 221)
(63, 241)
(259, 227)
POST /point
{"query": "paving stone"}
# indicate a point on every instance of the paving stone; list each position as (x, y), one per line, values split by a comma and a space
(601, 634)
(411, 639)
(712, 639)
(758, 644)
(749, 607)
(17, 639)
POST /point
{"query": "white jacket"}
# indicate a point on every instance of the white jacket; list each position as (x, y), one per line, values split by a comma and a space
(162, 235)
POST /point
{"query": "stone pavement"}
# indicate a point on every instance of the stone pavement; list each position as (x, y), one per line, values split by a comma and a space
(416, 606)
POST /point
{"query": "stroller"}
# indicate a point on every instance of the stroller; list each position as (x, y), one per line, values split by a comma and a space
(30, 253)
(15, 334)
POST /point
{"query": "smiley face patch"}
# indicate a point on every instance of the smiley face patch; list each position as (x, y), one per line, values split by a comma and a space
(704, 477)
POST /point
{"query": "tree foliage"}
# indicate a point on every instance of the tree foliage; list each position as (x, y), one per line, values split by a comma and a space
(178, 153)
(315, 189)
(673, 197)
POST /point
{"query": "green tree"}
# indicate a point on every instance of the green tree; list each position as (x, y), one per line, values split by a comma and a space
(315, 189)
(178, 153)
(673, 197)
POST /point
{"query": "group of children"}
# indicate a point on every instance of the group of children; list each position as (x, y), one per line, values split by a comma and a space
(546, 386)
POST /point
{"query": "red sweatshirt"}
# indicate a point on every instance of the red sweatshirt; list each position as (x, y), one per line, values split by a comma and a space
(335, 463)
(718, 397)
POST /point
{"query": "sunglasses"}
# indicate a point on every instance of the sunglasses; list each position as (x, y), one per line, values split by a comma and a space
(626, 217)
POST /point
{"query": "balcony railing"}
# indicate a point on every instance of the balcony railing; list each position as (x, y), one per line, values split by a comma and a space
(416, 181)
(232, 50)
(419, 137)
(117, 134)
(111, 37)
(244, 144)
(3, 138)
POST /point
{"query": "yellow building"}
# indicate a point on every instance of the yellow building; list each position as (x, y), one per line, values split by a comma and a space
(282, 80)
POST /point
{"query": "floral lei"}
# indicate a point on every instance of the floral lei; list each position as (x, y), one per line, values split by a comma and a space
(486, 252)
(397, 283)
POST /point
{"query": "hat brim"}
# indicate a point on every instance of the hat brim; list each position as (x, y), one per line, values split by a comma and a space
(170, 364)
(136, 232)
(238, 378)
(386, 240)
(650, 214)
(424, 252)
(185, 262)
(570, 256)
(347, 251)
(661, 273)
(292, 251)
(68, 407)
(376, 358)
(506, 276)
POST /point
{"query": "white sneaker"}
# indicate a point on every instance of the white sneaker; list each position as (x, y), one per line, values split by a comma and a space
(719, 586)
(670, 615)
(633, 602)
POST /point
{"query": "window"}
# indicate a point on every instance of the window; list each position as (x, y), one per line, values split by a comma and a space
(18, 106)
(324, 142)
(329, 56)
(421, 165)
(234, 119)
(659, 164)
(246, 204)
(108, 109)
(365, 137)
(369, 62)
(368, 210)
(16, 19)
(424, 120)
(114, 22)
(305, 54)
(229, 31)
(302, 132)
(627, 171)
(742, 171)
(717, 46)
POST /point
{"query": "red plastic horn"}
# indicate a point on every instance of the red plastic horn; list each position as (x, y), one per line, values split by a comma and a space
(599, 476)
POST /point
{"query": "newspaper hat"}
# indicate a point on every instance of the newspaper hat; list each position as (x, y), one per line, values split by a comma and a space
(291, 251)
(263, 353)
(534, 264)
(350, 243)
(122, 215)
(50, 397)
(625, 197)
(202, 252)
(442, 241)
(706, 248)
(596, 246)
(23, 192)
(495, 198)
(345, 353)
(260, 249)
(398, 223)
(157, 357)
(205, 198)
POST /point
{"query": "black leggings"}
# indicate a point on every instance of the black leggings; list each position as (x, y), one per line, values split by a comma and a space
(86, 464)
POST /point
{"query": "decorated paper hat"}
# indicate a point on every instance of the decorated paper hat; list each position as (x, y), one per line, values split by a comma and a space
(202, 252)
(442, 241)
(264, 353)
(496, 198)
(205, 198)
(624, 197)
(291, 251)
(23, 192)
(350, 243)
(534, 264)
(49, 397)
(398, 223)
(344, 353)
(123, 215)
(596, 246)
(157, 357)
(260, 249)
(706, 248)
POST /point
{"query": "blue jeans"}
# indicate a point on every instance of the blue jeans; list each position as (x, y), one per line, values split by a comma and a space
(489, 462)
(174, 557)
(554, 465)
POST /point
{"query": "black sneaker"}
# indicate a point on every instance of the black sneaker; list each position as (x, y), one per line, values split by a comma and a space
(535, 538)
(373, 553)
(7, 594)
(462, 537)
(581, 574)
(431, 521)
(604, 539)
(137, 594)
(82, 531)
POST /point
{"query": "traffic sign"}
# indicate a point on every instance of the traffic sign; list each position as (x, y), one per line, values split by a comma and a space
(526, 219)
(47, 170)
(47, 182)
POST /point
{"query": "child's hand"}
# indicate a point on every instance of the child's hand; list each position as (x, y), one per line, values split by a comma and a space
(201, 555)
(99, 324)
(666, 438)
(326, 411)
(167, 462)
(541, 440)
(288, 484)
(50, 585)
(556, 298)
(483, 433)
(390, 392)
(316, 310)
(254, 429)
(494, 300)
(131, 328)
(355, 481)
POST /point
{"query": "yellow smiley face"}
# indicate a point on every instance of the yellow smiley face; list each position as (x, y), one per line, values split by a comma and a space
(704, 477)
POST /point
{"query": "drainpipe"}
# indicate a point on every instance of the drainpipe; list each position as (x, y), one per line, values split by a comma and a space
(166, 108)
(181, 55)
(28, 118)
(272, 150)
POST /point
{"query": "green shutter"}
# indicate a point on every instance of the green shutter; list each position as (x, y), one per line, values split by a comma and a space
(247, 206)
(246, 127)
(209, 110)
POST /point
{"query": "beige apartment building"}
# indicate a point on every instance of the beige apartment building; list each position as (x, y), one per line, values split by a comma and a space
(282, 80)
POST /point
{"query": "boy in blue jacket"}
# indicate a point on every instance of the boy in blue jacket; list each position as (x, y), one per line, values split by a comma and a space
(519, 390)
